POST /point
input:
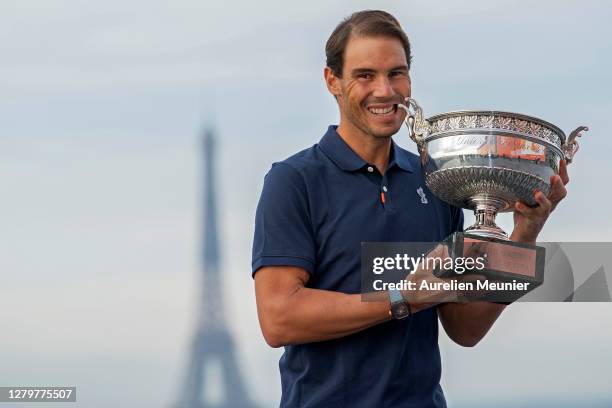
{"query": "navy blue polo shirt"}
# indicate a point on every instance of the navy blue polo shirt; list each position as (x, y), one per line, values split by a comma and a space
(315, 209)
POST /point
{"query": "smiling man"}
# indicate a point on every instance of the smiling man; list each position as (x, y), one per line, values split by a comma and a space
(356, 185)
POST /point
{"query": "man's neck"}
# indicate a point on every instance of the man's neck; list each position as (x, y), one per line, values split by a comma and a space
(371, 149)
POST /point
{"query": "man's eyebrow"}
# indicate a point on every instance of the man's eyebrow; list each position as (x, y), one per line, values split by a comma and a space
(358, 71)
(400, 68)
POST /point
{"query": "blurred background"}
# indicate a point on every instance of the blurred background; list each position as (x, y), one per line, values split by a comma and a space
(102, 110)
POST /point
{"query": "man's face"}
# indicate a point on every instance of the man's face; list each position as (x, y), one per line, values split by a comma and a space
(374, 80)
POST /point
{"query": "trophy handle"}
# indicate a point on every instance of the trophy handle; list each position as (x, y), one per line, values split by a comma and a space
(571, 145)
(418, 127)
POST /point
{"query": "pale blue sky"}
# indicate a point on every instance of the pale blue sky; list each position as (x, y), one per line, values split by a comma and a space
(101, 108)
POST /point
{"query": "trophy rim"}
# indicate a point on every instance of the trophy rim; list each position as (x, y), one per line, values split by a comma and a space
(523, 116)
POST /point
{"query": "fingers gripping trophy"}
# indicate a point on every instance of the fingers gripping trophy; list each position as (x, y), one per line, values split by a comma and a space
(486, 161)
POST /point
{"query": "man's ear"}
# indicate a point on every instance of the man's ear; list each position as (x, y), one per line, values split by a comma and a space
(332, 82)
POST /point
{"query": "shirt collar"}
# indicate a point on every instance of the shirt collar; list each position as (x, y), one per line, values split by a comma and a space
(400, 157)
(344, 157)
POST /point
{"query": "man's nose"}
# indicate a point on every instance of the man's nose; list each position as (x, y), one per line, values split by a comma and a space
(383, 88)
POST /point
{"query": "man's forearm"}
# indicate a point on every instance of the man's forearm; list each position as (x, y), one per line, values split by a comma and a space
(312, 315)
(292, 313)
(467, 323)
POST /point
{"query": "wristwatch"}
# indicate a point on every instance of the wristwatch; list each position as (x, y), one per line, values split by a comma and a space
(399, 308)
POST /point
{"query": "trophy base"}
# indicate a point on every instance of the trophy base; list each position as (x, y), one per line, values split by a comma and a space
(507, 270)
(485, 231)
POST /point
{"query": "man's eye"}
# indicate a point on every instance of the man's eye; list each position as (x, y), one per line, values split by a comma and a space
(364, 76)
(398, 73)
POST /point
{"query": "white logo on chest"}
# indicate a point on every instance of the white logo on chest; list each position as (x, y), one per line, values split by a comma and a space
(422, 195)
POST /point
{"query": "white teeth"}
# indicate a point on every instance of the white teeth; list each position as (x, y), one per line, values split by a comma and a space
(381, 111)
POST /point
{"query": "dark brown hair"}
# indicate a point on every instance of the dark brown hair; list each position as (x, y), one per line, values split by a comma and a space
(367, 23)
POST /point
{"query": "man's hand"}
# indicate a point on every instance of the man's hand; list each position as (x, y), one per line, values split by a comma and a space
(423, 298)
(528, 222)
(430, 290)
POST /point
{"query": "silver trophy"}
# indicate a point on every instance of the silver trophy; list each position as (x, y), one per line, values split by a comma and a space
(487, 160)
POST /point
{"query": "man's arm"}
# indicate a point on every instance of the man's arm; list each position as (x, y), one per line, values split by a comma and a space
(467, 323)
(290, 313)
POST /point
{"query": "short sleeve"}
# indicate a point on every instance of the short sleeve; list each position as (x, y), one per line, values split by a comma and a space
(283, 228)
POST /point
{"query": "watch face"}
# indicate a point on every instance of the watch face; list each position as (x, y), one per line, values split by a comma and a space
(400, 310)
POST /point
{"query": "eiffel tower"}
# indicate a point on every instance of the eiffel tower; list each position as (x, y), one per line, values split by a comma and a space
(212, 340)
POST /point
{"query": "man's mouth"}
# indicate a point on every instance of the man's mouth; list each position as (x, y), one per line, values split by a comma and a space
(382, 110)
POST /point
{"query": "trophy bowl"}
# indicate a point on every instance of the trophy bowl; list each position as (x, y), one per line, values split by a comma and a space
(487, 160)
